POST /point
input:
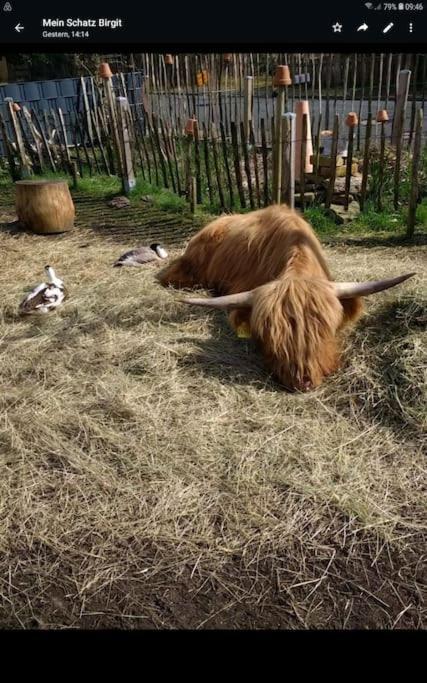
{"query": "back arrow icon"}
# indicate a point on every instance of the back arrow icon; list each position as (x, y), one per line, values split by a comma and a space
(19, 28)
(363, 27)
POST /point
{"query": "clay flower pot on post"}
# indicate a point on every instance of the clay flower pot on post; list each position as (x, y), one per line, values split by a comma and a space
(351, 120)
(105, 71)
(189, 127)
(168, 60)
(282, 79)
(382, 116)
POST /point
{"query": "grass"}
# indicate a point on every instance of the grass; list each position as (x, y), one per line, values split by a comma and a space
(153, 475)
(103, 186)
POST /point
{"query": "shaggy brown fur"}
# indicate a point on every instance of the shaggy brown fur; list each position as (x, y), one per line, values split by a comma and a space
(296, 315)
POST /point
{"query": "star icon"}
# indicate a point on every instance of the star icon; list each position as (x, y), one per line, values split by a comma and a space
(337, 27)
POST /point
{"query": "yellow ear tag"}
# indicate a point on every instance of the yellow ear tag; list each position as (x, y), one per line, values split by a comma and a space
(243, 331)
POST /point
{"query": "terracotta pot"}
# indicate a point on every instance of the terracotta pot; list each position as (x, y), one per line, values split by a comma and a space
(168, 59)
(199, 79)
(382, 116)
(16, 107)
(104, 70)
(352, 119)
(282, 75)
(189, 126)
(227, 57)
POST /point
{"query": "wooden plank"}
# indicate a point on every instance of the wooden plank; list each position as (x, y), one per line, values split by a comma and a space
(168, 154)
(207, 164)
(277, 145)
(25, 167)
(218, 171)
(414, 97)
(80, 132)
(114, 130)
(86, 109)
(161, 153)
(361, 100)
(248, 104)
(403, 83)
(128, 174)
(366, 158)
(175, 160)
(317, 146)
(60, 145)
(44, 140)
(197, 163)
(381, 168)
(288, 124)
(9, 150)
(237, 170)
(334, 151)
(388, 80)
(255, 165)
(35, 137)
(416, 157)
(226, 164)
(350, 147)
(264, 162)
(304, 131)
(64, 137)
(243, 139)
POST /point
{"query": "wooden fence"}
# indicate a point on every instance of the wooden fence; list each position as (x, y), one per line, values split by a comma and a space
(221, 130)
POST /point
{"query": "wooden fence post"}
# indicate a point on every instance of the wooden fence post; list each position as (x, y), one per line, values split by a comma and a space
(25, 167)
(351, 120)
(403, 81)
(109, 93)
(288, 155)
(248, 95)
(416, 155)
(128, 175)
(281, 81)
(382, 118)
(366, 162)
(334, 151)
(188, 140)
(303, 158)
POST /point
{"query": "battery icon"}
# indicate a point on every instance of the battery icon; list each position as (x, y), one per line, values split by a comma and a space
(401, 5)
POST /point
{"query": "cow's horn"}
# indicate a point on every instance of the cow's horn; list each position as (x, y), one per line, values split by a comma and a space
(239, 300)
(347, 290)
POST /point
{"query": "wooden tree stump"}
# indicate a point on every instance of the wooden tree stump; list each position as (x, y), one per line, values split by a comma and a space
(44, 206)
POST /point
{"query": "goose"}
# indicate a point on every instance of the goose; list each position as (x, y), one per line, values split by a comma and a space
(46, 297)
(142, 255)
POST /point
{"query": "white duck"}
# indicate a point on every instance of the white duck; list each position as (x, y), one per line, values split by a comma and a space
(142, 255)
(45, 297)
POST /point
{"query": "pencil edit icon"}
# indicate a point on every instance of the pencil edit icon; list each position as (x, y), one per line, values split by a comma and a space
(388, 27)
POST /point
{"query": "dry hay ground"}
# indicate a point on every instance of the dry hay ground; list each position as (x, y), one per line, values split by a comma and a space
(153, 475)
